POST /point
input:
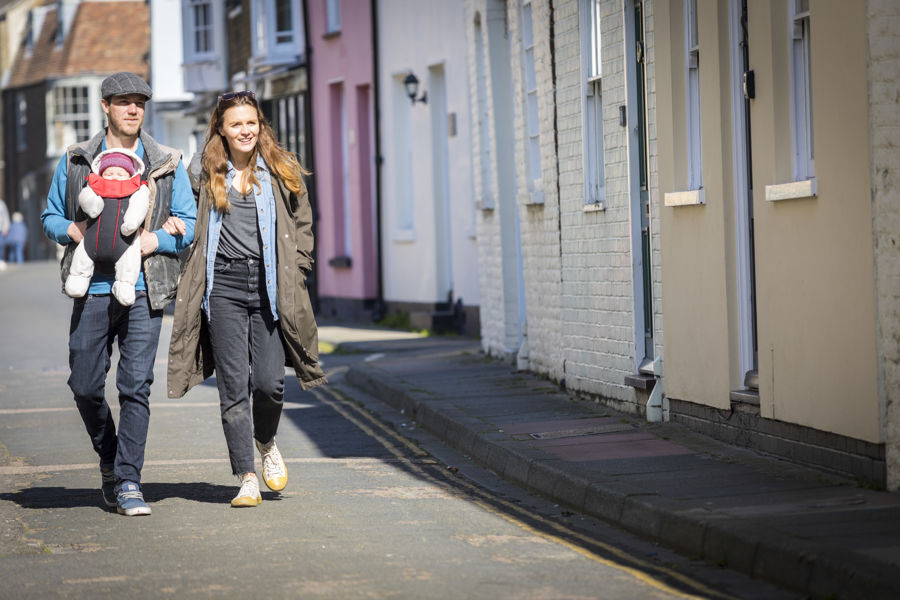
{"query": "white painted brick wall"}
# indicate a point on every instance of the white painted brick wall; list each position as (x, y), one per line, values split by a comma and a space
(539, 223)
(597, 287)
(884, 127)
(577, 265)
(490, 264)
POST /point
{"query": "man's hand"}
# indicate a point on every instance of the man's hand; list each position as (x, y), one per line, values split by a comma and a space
(76, 230)
(149, 242)
(174, 226)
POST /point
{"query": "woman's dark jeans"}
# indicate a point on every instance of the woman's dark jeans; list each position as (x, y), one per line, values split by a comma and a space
(249, 357)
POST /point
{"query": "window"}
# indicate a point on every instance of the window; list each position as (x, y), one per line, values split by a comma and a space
(277, 32)
(484, 120)
(201, 15)
(71, 116)
(592, 69)
(21, 122)
(692, 59)
(284, 22)
(29, 33)
(532, 123)
(404, 163)
(332, 16)
(340, 174)
(801, 85)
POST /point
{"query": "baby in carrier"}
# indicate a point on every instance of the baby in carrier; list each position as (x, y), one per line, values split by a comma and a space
(116, 203)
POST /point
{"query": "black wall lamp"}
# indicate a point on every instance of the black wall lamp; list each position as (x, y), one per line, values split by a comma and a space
(412, 88)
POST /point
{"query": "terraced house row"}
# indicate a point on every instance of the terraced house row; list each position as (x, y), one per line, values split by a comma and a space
(692, 208)
(685, 209)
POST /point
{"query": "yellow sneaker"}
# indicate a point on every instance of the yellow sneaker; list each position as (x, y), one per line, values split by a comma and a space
(274, 471)
(249, 493)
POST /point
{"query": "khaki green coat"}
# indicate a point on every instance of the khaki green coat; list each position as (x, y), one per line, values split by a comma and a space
(190, 352)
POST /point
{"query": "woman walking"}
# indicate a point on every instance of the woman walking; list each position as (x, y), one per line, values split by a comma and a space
(242, 306)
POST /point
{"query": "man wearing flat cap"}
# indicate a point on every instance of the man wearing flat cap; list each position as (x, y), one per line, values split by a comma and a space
(97, 318)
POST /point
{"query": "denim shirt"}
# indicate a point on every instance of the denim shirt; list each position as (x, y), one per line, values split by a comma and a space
(265, 213)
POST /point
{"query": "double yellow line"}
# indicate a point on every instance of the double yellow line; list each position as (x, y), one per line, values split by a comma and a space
(421, 464)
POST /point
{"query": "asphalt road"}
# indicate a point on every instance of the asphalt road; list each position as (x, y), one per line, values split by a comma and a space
(374, 507)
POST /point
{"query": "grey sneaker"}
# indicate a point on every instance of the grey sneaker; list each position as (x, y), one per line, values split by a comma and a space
(108, 486)
(130, 500)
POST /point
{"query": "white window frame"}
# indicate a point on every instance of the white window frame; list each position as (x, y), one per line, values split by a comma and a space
(267, 48)
(345, 175)
(592, 96)
(288, 35)
(531, 107)
(404, 208)
(193, 30)
(692, 87)
(69, 115)
(332, 16)
(801, 90)
(484, 119)
(58, 140)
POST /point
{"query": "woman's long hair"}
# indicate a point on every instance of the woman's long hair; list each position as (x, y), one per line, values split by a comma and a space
(282, 163)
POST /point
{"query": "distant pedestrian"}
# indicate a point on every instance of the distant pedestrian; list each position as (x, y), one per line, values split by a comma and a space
(16, 238)
(4, 229)
(98, 319)
(251, 285)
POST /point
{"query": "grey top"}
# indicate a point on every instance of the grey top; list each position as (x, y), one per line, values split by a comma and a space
(240, 232)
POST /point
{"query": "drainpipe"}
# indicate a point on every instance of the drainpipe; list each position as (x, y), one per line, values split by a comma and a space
(378, 311)
(310, 161)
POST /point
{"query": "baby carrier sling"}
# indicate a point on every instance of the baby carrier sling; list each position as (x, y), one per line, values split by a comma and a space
(104, 242)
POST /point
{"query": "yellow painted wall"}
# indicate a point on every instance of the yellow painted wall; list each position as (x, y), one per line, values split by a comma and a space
(697, 241)
(814, 274)
(814, 257)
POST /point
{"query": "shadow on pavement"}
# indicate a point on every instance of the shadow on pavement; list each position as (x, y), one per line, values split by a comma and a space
(43, 498)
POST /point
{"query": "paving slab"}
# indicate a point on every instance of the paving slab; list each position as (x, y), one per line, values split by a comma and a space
(802, 528)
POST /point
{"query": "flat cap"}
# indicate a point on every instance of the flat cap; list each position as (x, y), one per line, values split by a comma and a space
(122, 83)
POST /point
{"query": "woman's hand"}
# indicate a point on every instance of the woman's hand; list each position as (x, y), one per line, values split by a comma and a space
(174, 226)
(149, 242)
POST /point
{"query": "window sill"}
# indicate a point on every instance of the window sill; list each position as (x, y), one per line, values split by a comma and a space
(486, 203)
(331, 34)
(341, 262)
(689, 198)
(593, 207)
(201, 59)
(274, 59)
(534, 198)
(792, 191)
(403, 236)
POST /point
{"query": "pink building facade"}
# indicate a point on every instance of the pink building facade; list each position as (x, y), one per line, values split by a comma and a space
(343, 96)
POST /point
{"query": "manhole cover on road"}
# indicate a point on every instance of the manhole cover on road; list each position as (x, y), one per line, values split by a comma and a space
(595, 429)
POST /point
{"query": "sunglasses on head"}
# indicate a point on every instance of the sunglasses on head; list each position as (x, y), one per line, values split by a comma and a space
(232, 95)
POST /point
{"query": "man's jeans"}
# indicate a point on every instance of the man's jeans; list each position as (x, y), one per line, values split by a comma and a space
(249, 355)
(97, 321)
